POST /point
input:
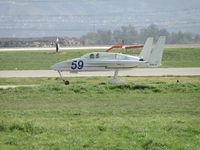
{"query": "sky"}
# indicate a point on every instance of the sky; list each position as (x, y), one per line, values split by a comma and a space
(39, 18)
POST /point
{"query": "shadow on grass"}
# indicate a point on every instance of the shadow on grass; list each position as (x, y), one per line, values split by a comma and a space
(136, 87)
(27, 127)
(150, 144)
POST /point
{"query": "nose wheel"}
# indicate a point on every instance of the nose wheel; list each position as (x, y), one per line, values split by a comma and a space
(66, 82)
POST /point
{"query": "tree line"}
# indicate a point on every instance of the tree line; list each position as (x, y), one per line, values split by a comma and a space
(130, 35)
(38, 42)
(127, 34)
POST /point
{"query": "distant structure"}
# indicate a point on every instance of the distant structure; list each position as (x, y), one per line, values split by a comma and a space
(57, 45)
(177, 81)
(123, 42)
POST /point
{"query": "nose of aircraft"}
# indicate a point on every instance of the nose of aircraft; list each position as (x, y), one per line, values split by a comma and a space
(56, 66)
(61, 66)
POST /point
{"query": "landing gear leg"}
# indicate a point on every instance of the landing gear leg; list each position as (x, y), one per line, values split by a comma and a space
(116, 80)
(66, 82)
(116, 74)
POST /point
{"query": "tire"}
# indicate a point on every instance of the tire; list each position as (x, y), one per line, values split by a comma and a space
(66, 82)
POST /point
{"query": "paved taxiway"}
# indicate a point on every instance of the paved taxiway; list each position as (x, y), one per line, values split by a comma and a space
(53, 48)
(132, 72)
(14, 86)
(90, 48)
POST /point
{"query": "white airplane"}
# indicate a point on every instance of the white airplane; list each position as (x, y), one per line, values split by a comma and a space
(104, 61)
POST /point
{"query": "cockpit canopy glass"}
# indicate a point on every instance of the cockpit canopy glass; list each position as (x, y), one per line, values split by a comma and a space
(105, 55)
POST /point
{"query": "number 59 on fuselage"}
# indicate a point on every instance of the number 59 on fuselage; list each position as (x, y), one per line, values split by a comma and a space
(105, 61)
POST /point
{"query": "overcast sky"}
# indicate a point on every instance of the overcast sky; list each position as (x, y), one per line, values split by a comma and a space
(36, 18)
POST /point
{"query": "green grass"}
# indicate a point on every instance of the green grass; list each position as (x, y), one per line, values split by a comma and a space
(44, 59)
(181, 57)
(145, 113)
(35, 60)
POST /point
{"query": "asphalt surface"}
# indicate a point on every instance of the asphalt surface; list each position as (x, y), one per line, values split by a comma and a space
(14, 86)
(131, 72)
(54, 49)
(90, 48)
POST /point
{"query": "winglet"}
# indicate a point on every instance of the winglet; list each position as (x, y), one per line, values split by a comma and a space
(157, 53)
(146, 51)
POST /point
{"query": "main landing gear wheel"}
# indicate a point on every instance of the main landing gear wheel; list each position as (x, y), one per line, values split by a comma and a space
(115, 80)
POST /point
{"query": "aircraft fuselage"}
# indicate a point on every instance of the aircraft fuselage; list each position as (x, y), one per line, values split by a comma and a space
(100, 62)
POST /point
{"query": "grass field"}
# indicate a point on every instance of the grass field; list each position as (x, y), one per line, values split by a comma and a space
(145, 113)
(44, 59)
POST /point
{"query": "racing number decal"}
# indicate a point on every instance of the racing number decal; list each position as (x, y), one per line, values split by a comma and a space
(80, 64)
(74, 66)
(77, 64)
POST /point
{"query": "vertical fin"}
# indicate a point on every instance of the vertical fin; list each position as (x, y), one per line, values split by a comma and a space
(146, 51)
(157, 53)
